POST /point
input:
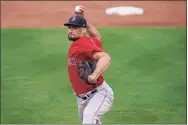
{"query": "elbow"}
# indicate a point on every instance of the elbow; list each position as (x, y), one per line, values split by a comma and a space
(108, 57)
(110, 60)
(105, 57)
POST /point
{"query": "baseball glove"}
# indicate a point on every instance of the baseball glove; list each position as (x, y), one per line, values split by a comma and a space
(85, 69)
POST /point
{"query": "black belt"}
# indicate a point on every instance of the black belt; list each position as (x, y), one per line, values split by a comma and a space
(88, 95)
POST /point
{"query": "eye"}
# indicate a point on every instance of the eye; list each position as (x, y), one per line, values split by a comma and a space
(75, 27)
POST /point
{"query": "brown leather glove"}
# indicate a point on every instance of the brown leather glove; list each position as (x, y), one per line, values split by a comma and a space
(85, 69)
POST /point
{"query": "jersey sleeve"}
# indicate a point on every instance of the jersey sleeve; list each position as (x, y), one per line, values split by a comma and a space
(97, 41)
(89, 48)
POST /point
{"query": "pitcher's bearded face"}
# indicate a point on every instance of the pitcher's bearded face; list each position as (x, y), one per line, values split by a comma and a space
(74, 32)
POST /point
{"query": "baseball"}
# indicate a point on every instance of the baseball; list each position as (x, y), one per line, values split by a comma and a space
(77, 9)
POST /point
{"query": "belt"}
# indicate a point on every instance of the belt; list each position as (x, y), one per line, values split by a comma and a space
(88, 95)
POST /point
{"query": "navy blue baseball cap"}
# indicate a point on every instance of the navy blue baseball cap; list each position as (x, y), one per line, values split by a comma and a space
(78, 21)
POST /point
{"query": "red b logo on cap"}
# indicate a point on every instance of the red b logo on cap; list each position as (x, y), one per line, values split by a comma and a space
(73, 18)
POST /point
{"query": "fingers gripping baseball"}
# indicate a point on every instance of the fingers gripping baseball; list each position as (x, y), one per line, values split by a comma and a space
(79, 10)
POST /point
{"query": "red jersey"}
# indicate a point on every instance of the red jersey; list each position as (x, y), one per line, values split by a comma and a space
(81, 50)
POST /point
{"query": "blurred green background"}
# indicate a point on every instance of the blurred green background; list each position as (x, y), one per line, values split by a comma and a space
(147, 74)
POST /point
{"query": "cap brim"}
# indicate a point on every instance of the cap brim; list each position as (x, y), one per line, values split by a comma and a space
(72, 24)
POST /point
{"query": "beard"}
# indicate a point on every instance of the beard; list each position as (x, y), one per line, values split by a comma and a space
(71, 38)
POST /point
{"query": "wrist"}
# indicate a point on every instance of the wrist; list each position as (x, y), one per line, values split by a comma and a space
(95, 75)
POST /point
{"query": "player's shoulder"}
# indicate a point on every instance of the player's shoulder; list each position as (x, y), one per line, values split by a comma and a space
(97, 38)
(88, 38)
(83, 40)
(86, 43)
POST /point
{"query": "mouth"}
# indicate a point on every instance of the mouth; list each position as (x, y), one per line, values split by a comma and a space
(71, 35)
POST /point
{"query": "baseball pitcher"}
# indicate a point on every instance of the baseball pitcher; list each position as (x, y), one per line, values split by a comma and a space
(87, 61)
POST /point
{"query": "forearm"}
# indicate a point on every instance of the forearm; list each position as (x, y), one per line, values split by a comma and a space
(92, 31)
(101, 66)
